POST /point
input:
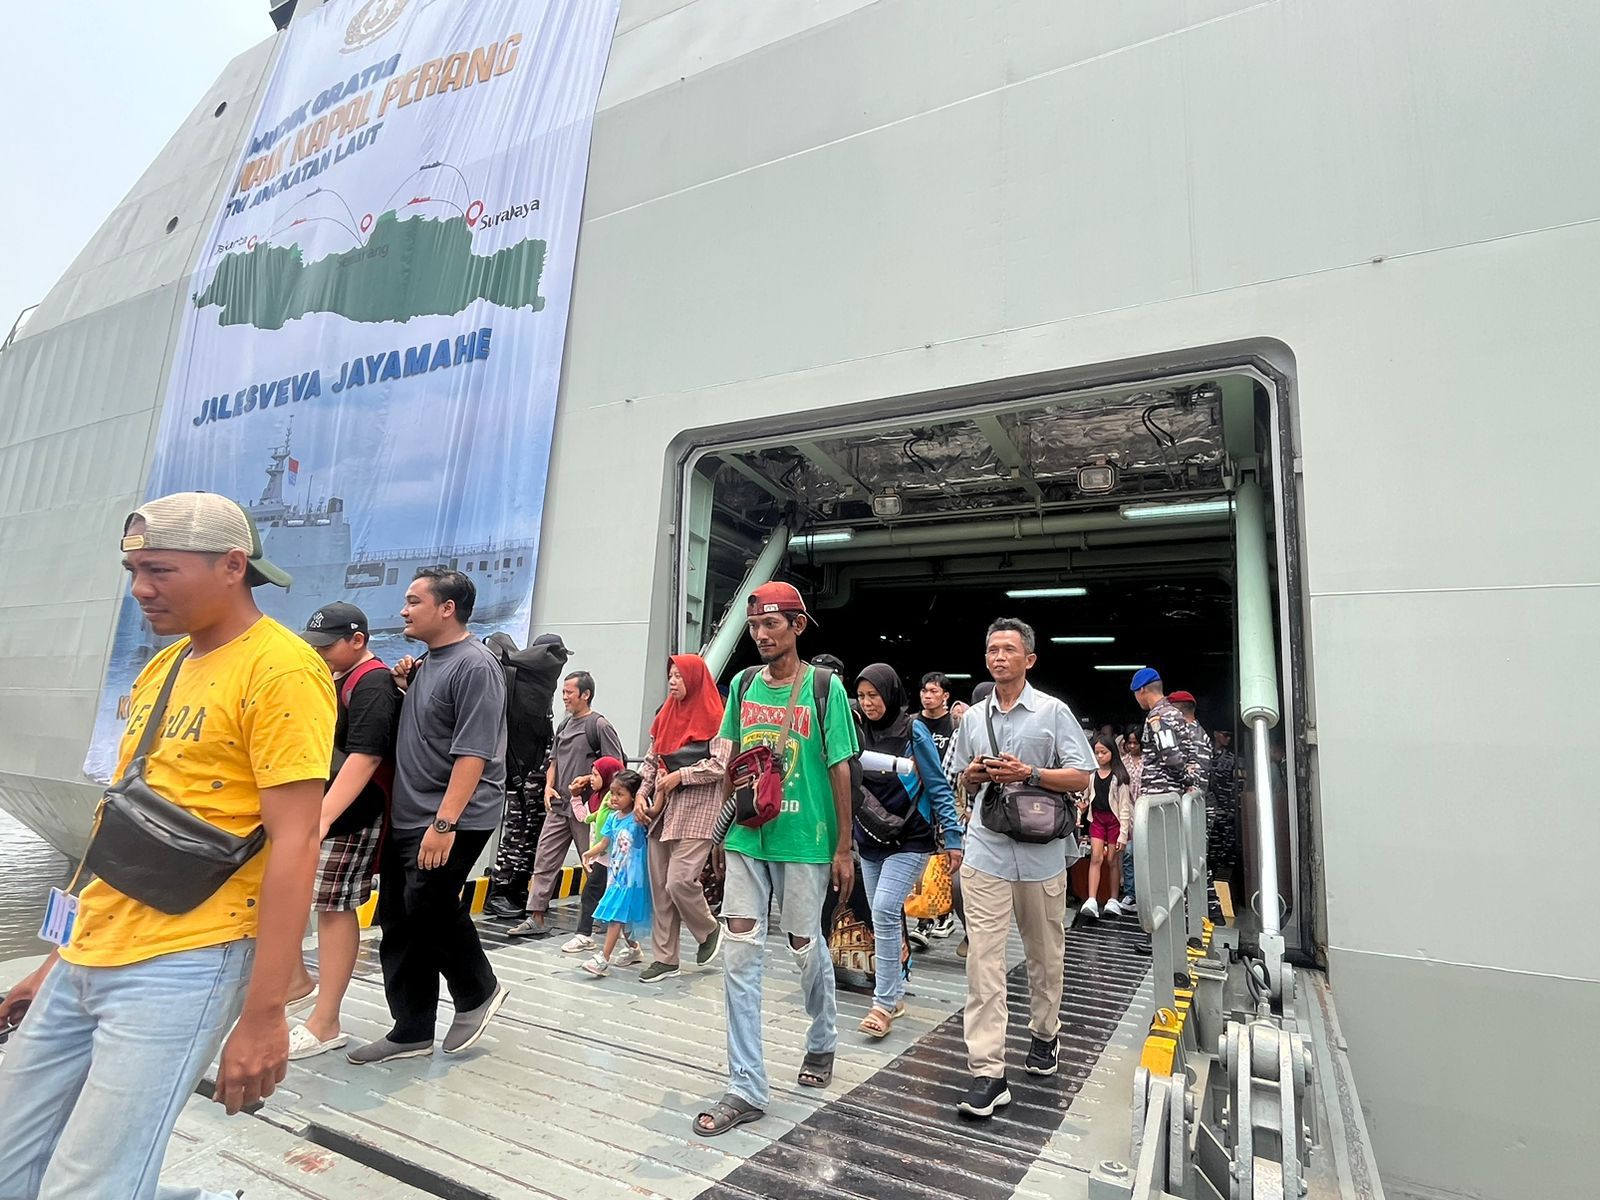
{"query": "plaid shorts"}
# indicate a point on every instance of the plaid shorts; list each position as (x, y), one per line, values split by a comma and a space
(345, 869)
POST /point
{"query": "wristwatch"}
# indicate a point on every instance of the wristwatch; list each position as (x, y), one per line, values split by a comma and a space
(443, 826)
(1033, 777)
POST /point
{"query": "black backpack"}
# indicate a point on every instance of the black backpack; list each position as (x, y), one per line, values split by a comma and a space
(531, 678)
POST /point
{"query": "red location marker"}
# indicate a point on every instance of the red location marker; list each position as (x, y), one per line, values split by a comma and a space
(366, 222)
(250, 242)
(474, 211)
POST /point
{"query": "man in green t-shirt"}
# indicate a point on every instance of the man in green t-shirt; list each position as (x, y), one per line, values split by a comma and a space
(796, 856)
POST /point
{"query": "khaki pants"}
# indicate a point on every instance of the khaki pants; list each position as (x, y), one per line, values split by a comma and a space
(562, 830)
(676, 894)
(1040, 911)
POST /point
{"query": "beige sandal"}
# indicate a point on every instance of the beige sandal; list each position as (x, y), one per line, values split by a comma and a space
(877, 1023)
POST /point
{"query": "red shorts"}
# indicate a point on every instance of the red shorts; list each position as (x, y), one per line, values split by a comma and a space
(1105, 826)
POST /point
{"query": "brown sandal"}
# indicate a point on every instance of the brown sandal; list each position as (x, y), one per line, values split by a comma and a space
(877, 1023)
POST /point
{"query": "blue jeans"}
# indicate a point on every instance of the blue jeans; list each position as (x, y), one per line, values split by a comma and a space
(747, 895)
(888, 884)
(93, 1082)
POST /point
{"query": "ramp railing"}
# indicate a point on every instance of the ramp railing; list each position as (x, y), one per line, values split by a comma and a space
(1166, 865)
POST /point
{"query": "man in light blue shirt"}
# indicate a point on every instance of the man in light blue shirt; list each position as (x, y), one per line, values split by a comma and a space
(1035, 740)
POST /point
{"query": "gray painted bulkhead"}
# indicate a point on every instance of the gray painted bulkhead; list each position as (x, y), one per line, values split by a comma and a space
(805, 206)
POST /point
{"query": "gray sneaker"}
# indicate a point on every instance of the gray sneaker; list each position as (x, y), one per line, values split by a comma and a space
(707, 954)
(384, 1050)
(468, 1027)
(657, 971)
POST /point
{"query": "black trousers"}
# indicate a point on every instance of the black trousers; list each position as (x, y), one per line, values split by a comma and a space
(594, 889)
(428, 932)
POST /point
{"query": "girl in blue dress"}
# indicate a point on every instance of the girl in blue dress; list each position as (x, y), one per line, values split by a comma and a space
(625, 908)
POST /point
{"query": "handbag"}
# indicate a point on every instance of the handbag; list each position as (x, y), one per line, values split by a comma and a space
(687, 755)
(876, 819)
(934, 895)
(757, 773)
(1020, 811)
(154, 851)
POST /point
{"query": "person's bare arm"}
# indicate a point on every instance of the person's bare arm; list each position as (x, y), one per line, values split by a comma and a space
(464, 776)
(255, 1057)
(23, 991)
(356, 773)
(844, 866)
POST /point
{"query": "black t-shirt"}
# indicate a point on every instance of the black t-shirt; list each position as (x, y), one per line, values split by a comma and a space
(943, 730)
(367, 726)
(1102, 793)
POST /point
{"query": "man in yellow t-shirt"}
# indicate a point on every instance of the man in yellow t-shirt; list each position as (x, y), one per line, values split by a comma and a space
(124, 1020)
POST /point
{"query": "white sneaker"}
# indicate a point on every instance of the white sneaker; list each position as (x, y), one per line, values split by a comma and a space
(579, 945)
(1113, 909)
(305, 1044)
(1128, 903)
(628, 954)
(943, 927)
(597, 966)
(1090, 909)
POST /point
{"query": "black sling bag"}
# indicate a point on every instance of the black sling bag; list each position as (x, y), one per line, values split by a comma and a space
(154, 851)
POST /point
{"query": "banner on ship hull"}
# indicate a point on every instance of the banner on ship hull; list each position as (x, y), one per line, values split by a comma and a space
(369, 355)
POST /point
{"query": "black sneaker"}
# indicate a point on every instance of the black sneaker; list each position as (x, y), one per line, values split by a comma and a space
(917, 937)
(1042, 1056)
(984, 1096)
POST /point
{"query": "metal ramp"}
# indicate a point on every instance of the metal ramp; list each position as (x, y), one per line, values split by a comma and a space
(588, 1088)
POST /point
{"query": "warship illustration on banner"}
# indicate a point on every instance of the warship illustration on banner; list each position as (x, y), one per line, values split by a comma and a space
(314, 546)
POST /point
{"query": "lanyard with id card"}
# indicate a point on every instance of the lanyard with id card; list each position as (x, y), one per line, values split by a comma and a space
(60, 915)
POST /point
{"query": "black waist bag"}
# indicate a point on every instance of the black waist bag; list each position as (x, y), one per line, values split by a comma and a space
(154, 851)
(1022, 812)
(687, 755)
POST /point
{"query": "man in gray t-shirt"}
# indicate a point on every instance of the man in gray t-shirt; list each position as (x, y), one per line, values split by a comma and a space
(450, 774)
(455, 705)
(583, 737)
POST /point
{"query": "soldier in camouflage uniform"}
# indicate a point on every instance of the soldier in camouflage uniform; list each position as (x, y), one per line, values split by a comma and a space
(1176, 757)
(1185, 703)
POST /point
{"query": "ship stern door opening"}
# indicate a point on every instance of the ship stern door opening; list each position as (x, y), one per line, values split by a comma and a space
(1106, 519)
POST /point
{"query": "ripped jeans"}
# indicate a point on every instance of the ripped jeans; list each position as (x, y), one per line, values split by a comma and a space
(748, 894)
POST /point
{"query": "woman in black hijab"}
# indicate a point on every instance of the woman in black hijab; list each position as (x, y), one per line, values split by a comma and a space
(895, 827)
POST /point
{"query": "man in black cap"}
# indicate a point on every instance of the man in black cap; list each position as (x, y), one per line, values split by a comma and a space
(361, 775)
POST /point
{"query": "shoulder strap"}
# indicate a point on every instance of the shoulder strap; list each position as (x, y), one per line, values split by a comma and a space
(347, 685)
(153, 722)
(736, 693)
(821, 685)
(988, 719)
(788, 715)
(592, 732)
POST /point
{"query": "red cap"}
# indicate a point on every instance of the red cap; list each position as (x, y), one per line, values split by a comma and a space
(777, 597)
(1181, 697)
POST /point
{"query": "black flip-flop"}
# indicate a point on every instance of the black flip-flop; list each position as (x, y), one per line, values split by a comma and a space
(725, 1114)
(816, 1070)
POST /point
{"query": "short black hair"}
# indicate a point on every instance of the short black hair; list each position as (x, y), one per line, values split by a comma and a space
(451, 585)
(585, 682)
(631, 781)
(938, 677)
(1012, 625)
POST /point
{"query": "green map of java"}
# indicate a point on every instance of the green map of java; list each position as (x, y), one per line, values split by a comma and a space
(412, 268)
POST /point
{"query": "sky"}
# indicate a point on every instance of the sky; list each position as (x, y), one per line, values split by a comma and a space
(92, 90)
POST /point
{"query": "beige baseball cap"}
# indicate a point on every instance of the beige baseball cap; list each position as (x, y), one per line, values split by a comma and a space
(206, 522)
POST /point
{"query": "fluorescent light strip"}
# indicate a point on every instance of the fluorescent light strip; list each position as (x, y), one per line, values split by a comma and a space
(1046, 593)
(1083, 641)
(1178, 510)
(1119, 666)
(827, 537)
(957, 675)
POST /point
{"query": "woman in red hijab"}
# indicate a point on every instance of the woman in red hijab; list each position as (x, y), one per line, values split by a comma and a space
(680, 801)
